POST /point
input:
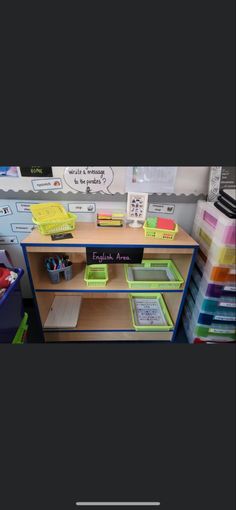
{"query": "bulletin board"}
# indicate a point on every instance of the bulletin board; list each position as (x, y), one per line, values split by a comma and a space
(103, 183)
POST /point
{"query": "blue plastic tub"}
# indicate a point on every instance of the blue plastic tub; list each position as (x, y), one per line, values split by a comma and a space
(11, 309)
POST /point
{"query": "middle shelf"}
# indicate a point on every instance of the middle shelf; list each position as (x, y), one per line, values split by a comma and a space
(117, 279)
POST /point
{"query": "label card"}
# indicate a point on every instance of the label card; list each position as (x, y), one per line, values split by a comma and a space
(47, 184)
(106, 255)
(22, 227)
(5, 210)
(82, 207)
(8, 240)
(24, 207)
(161, 208)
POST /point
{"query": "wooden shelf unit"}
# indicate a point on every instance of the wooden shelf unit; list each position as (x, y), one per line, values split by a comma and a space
(105, 312)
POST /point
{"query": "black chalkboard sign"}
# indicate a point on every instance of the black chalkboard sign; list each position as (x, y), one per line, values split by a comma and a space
(228, 177)
(114, 255)
(36, 171)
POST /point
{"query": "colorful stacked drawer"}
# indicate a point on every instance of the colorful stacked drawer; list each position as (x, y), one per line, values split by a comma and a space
(210, 310)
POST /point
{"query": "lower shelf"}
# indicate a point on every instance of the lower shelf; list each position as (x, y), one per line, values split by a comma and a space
(99, 319)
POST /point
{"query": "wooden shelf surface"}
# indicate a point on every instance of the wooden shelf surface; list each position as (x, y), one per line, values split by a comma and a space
(117, 281)
(96, 314)
(89, 234)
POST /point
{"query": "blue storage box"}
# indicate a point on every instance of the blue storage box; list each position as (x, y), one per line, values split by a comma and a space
(11, 309)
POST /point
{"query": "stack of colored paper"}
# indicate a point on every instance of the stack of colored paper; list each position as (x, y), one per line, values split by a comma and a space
(165, 224)
(110, 219)
(160, 223)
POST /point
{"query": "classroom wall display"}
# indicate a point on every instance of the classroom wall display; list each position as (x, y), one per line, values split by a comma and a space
(106, 182)
(89, 179)
(36, 171)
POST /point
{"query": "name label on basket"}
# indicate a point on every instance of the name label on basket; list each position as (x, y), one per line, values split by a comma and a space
(114, 255)
(229, 305)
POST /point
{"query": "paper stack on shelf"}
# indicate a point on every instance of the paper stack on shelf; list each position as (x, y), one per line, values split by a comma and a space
(64, 312)
(110, 219)
(210, 309)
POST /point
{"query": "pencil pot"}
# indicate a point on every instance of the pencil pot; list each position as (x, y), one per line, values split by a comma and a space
(54, 275)
(68, 271)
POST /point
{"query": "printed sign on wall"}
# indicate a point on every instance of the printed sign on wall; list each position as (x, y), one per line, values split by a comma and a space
(24, 207)
(22, 227)
(47, 184)
(82, 207)
(5, 210)
(114, 255)
(228, 177)
(89, 179)
(36, 171)
(8, 240)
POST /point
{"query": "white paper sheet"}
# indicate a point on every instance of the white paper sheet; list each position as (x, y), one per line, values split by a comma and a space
(64, 312)
(152, 179)
(149, 312)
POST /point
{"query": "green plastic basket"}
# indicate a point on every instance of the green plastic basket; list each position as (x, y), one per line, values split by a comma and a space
(169, 324)
(21, 332)
(159, 233)
(96, 275)
(167, 265)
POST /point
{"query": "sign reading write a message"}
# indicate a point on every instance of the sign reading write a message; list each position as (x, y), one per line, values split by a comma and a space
(89, 179)
(106, 255)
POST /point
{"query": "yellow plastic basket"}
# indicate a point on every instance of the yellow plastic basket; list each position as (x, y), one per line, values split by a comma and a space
(160, 233)
(57, 226)
(44, 213)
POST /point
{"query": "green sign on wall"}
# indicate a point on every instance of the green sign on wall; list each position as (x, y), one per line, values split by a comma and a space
(36, 171)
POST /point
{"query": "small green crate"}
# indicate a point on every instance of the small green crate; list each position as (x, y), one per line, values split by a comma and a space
(162, 308)
(151, 231)
(96, 275)
(164, 267)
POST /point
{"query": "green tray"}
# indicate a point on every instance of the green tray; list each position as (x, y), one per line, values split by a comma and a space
(19, 336)
(96, 275)
(167, 275)
(162, 310)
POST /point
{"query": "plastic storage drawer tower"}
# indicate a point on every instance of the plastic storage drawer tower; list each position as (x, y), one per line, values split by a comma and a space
(209, 313)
